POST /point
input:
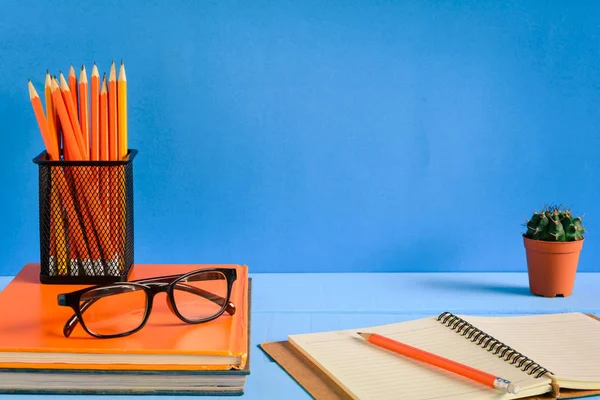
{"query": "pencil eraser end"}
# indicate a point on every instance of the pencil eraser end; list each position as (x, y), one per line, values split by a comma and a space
(513, 389)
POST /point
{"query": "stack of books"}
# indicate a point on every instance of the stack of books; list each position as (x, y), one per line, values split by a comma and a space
(166, 356)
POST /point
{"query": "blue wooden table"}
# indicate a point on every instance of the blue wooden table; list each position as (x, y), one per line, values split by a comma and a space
(297, 303)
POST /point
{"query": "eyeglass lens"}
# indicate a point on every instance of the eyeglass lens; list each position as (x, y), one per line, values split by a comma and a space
(114, 310)
(200, 296)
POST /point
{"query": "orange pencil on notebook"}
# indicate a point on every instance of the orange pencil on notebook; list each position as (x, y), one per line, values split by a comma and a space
(441, 362)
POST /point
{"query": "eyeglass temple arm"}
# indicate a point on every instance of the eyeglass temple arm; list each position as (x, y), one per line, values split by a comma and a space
(73, 321)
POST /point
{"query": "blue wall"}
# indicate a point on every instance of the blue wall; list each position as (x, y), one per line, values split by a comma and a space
(324, 136)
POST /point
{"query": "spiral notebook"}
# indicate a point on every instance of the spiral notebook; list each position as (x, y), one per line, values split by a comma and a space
(542, 353)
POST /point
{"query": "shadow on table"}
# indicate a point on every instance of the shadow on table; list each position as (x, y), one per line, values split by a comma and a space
(457, 285)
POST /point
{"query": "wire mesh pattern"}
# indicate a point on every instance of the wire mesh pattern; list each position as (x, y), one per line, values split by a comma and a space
(86, 220)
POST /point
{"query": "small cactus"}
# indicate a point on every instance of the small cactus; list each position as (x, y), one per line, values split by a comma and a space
(554, 224)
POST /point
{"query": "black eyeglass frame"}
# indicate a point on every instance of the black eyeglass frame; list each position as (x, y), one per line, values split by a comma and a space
(151, 287)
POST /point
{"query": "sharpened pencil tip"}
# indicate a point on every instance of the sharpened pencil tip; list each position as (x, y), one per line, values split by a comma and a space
(113, 73)
(32, 93)
(359, 333)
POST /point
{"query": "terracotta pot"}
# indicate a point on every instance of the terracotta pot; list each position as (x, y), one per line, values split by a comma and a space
(552, 266)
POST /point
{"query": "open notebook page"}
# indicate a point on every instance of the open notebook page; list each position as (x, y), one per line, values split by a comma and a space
(369, 372)
(566, 344)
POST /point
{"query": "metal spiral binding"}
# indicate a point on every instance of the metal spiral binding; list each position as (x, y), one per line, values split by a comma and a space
(492, 344)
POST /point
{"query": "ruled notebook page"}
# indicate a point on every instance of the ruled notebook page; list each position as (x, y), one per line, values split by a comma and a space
(567, 344)
(366, 371)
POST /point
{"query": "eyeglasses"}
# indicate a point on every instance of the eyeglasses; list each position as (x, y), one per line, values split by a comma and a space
(120, 309)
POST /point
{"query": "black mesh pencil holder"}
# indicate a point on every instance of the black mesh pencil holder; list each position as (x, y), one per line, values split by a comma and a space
(86, 220)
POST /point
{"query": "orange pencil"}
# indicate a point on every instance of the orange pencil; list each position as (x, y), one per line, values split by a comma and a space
(73, 117)
(104, 156)
(122, 112)
(76, 242)
(98, 210)
(113, 134)
(73, 86)
(122, 154)
(70, 142)
(83, 109)
(51, 112)
(95, 122)
(93, 216)
(83, 246)
(75, 237)
(104, 145)
(440, 362)
(58, 249)
(47, 137)
(59, 132)
(83, 197)
(56, 226)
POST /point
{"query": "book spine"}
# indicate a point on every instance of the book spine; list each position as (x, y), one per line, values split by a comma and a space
(240, 328)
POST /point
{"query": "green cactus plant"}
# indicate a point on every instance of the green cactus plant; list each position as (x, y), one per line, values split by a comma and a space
(555, 224)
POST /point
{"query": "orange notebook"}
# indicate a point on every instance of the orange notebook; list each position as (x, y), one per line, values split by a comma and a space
(31, 326)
